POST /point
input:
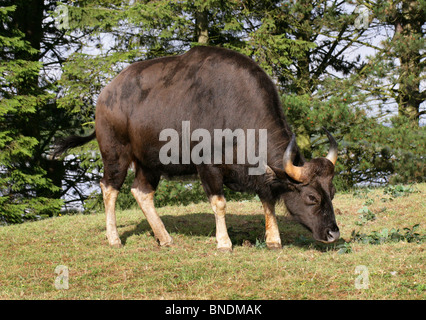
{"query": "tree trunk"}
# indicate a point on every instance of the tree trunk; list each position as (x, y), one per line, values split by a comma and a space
(28, 18)
(202, 31)
(408, 25)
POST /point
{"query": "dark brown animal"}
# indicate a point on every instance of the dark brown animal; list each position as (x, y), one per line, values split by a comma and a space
(212, 88)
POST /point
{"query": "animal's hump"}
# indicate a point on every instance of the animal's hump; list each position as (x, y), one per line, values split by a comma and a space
(222, 54)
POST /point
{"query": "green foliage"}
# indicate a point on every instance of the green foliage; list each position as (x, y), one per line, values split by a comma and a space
(398, 190)
(344, 248)
(179, 193)
(383, 236)
(361, 193)
(370, 150)
(366, 215)
(386, 236)
(396, 69)
(24, 185)
(260, 244)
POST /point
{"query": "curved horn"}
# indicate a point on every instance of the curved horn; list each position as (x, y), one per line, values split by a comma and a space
(332, 152)
(294, 172)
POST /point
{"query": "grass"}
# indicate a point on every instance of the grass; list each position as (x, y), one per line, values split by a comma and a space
(193, 269)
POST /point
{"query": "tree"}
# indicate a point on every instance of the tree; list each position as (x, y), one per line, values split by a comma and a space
(400, 58)
(32, 56)
(392, 146)
(303, 44)
(25, 188)
(307, 47)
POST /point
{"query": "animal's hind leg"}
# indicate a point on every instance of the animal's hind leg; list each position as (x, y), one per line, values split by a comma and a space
(115, 170)
(110, 196)
(143, 190)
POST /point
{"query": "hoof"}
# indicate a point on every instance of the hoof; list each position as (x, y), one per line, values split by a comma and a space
(116, 245)
(225, 249)
(113, 240)
(166, 243)
(274, 246)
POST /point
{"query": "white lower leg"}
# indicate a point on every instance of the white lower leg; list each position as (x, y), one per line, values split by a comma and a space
(146, 202)
(110, 197)
(273, 239)
(218, 204)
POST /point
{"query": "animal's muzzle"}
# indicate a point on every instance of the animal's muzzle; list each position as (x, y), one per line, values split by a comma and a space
(333, 234)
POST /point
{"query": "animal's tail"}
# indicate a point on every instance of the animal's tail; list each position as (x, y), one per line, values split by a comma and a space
(71, 142)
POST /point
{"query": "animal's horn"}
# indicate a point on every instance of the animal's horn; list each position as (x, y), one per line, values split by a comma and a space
(332, 152)
(294, 172)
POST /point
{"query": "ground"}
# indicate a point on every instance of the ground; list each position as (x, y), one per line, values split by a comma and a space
(193, 269)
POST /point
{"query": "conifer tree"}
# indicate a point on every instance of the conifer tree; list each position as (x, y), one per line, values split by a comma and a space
(400, 59)
(25, 187)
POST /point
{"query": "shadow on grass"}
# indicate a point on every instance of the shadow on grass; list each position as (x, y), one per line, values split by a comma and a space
(244, 230)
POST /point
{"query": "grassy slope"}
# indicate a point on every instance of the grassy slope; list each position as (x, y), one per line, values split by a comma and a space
(192, 269)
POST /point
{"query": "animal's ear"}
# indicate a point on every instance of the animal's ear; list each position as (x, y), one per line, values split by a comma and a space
(274, 174)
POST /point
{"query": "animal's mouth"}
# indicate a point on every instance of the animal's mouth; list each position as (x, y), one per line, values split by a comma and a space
(330, 235)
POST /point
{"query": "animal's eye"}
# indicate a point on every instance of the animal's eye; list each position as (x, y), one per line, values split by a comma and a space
(312, 199)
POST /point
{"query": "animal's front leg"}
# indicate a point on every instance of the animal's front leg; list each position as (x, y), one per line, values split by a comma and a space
(273, 239)
(218, 204)
(212, 180)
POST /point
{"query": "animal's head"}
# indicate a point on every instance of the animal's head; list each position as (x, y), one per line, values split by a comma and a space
(309, 190)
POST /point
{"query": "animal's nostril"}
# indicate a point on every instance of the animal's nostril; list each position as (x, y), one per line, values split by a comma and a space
(333, 235)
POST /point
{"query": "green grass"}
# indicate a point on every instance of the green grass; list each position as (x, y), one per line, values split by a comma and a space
(193, 269)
